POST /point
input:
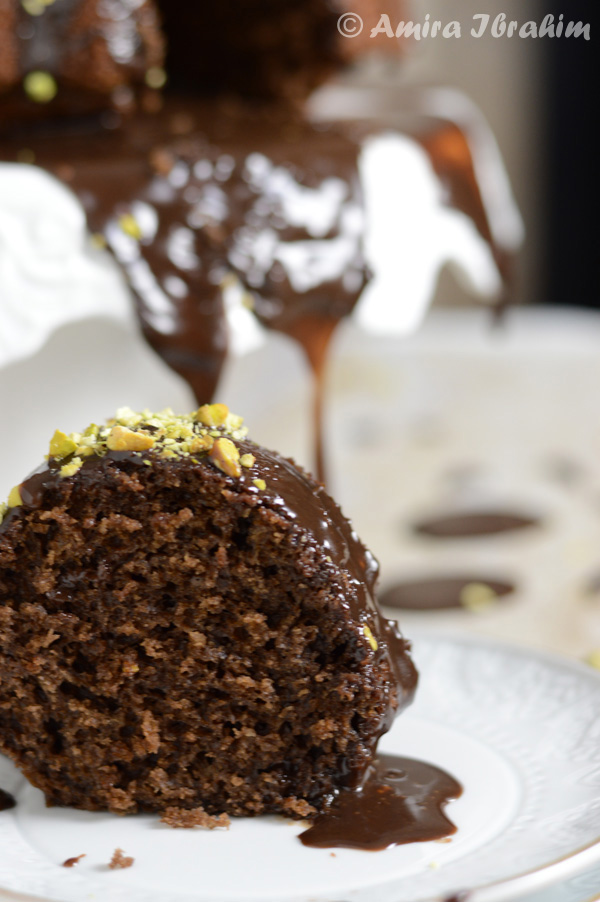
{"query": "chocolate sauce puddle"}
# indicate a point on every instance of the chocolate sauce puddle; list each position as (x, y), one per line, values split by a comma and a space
(471, 524)
(6, 800)
(440, 593)
(401, 801)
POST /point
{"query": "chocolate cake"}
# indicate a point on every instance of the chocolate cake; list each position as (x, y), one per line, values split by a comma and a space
(76, 57)
(187, 621)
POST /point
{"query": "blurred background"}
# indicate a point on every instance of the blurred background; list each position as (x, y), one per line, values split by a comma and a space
(538, 96)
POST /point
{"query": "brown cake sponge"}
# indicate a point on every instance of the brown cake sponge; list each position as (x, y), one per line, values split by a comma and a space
(187, 621)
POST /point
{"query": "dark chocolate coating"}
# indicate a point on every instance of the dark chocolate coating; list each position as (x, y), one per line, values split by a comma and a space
(401, 801)
(96, 53)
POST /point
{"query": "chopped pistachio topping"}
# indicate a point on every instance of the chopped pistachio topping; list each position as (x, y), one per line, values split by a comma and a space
(130, 226)
(120, 438)
(260, 484)
(212, 414)
(71, 468)
(201, 443)
(61, 445)
(40, 87)
(370, 638)
(3, 510)
(156, 77)
(226, 457)
(247, 460)
(35, 7)
(14, 497)
(477, 596)
(165, 434)
(593, 659)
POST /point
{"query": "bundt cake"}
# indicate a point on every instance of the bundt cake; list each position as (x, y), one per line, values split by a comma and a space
(188, 622)
(74, 57)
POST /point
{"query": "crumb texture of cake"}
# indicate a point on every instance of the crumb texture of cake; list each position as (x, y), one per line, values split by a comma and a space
(188, 623)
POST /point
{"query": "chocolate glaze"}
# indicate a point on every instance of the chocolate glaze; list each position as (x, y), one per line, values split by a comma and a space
(214, 184)
(6, 800)
(401, 801)
(97, 53)
(439, 593)
(471, 524)
(304, 503)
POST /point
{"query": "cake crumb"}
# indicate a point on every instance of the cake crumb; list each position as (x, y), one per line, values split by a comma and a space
(119, 860)
(71, 862)
(298, 808)
(194, 817)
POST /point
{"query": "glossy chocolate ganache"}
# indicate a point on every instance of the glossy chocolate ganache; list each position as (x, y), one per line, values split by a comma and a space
(117, 514)
(69, 58)
(206, 206)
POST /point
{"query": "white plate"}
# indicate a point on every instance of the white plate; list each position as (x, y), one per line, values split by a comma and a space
(520, 729)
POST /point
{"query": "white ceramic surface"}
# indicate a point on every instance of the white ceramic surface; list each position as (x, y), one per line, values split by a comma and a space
(518, 728)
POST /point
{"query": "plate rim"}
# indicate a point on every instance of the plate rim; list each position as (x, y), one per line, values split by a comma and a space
(559, 869)
(516, 886)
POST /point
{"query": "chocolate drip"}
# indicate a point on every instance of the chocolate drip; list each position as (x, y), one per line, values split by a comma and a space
(451, 156)
(471, 524)
(401, 801)
(6, 800)
(440, 593)
(195, 194)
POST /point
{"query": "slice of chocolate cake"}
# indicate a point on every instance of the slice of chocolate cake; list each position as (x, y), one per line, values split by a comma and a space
(187, 621)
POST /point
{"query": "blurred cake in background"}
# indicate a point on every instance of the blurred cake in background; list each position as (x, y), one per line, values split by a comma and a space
(76, 57)
(231, 216)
